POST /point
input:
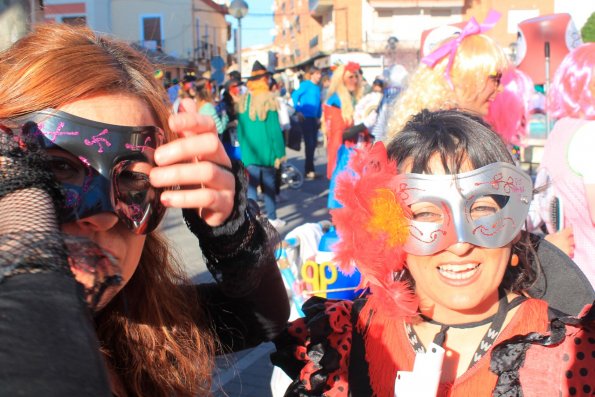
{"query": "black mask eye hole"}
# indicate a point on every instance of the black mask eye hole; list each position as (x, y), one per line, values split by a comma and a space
(132, 182)
(487, 205)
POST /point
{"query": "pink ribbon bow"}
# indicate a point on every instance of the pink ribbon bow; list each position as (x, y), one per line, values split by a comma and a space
(450, 48)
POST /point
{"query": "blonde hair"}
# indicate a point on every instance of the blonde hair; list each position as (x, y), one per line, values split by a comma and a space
(153, 333)
(347, 98)
(477, 57)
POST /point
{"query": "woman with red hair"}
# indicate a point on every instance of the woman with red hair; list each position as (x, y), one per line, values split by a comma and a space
(86, 124)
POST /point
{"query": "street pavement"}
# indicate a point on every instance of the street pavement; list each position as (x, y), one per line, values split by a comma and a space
(248, 373)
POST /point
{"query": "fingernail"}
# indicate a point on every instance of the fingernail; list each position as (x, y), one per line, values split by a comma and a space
(165, 200)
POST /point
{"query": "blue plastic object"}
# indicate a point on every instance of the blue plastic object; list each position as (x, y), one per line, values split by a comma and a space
(343, 281)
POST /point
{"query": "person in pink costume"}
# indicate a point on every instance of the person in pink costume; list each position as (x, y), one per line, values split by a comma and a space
(567, 156)
(508, 113)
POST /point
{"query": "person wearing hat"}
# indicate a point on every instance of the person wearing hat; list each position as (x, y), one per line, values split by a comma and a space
(261, 138)
(234, 75)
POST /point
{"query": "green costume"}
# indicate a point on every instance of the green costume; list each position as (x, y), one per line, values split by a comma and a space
(261, 139)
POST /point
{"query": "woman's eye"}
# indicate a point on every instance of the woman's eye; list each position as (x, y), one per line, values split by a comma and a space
(484, 209)
(484, 206)
(427, 217)
(64, 170)
(426, 213)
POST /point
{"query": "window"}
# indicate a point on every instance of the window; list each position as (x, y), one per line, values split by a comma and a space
(75, 21)
(151, 31)
(440, 12)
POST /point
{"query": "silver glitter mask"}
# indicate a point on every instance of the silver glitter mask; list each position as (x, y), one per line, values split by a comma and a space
(486, 207)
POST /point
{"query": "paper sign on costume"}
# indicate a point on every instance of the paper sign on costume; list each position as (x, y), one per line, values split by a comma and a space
(423, 381)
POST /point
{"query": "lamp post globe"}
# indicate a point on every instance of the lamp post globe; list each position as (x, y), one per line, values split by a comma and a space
(238, 9)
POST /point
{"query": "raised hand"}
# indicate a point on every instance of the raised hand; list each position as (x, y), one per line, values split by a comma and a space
(196, 162)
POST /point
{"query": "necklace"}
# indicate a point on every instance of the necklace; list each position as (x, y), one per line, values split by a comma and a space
(496, 320)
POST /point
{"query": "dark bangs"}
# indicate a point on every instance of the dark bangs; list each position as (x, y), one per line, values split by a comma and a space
(454, 135)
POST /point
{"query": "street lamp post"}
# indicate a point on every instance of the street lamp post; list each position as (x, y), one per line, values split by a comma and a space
(238, 9)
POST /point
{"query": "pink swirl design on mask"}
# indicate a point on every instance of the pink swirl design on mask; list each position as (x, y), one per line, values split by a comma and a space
(509, 185)
(140, 148)
(99, 141)
(403, 191)
(136, 213)
(433, 236)
(53, 135)
(490, 231)
(85, 161)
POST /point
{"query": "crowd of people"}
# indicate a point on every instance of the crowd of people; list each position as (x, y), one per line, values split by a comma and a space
(462, 296)
(472, 284)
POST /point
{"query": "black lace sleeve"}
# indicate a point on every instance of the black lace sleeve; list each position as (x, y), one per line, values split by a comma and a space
(234, 250)
(570, 343)
(30, 239)
(49, 345)
(248, 304)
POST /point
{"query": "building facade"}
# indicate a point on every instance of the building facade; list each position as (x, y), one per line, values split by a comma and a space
(210, 31)
(307, 30)
(95, 14)
(298, 32)
(255, 53)
(158, 26)
(185, 34)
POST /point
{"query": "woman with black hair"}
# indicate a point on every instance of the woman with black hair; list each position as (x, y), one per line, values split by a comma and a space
(434, 224)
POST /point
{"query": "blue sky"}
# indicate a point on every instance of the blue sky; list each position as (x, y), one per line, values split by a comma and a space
(257, 25)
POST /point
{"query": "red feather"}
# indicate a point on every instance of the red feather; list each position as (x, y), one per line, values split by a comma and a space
(366, 243)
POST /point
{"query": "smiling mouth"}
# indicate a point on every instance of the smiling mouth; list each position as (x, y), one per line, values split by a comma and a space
(458, 272)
